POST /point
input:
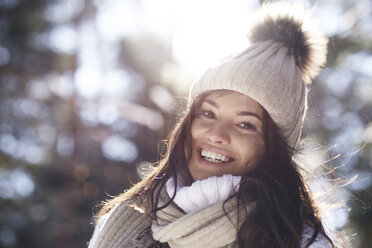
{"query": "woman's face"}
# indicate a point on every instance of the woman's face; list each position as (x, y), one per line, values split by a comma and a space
(227, 136)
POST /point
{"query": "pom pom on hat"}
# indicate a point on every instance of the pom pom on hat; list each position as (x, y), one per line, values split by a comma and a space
(292, 27)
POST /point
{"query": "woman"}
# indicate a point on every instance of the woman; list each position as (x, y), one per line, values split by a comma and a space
(228, 178)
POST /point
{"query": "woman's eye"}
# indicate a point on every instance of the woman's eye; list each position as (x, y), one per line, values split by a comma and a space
(208, 114)
(248, 125)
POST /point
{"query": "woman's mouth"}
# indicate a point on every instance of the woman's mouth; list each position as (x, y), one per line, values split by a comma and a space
(214, 157)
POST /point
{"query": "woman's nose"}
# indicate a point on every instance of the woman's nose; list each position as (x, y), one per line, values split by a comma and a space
(218, 134)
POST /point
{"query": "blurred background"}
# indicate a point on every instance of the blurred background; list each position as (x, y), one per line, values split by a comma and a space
(89, 88)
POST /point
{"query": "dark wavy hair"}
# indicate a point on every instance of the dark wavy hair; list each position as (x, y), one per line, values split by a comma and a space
(283, 202)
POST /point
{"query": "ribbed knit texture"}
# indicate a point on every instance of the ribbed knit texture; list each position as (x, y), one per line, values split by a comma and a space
(120, 228)
(286, 49)
(269, 76)
(127, 227)
(203, 193)
(208, 227)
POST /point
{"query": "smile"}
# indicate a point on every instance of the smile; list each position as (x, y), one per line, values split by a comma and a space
(214, 157)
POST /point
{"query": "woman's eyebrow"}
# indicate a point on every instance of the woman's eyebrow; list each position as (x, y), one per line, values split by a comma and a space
(249, 114)
(241, 113)
(213, 103)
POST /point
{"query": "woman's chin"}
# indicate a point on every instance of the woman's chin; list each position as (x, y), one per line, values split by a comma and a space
(200, 174)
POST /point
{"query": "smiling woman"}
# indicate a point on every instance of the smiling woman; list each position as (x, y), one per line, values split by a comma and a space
(228, 178)
(226, 135)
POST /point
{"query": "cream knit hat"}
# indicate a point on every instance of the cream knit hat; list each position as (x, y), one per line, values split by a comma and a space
(285, 54)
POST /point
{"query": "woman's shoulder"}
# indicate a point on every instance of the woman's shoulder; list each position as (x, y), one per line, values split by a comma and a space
(320, 242)
(120, 225)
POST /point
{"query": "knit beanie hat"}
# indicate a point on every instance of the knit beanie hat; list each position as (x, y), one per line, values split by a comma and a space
(286, 52)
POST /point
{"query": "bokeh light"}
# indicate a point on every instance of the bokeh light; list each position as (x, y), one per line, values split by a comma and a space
(118, 148)
(88, 88)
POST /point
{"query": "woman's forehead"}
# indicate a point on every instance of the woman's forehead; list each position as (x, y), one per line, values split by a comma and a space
(232, 99)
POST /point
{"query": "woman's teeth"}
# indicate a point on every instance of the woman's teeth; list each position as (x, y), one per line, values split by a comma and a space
(214, 157)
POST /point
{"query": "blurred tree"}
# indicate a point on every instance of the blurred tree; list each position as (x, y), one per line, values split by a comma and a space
(81, 107)
(341, 110)
(62, 150)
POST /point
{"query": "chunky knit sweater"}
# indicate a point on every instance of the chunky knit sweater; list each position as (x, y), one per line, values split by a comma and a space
(122, 227)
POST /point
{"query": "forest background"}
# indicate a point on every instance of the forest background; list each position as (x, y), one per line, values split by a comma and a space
(89, 88)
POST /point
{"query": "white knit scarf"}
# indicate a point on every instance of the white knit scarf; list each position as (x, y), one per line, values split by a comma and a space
(202, 226)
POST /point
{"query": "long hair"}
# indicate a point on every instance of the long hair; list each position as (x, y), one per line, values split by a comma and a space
(283, 203)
